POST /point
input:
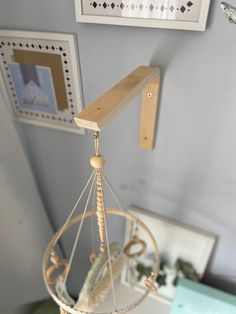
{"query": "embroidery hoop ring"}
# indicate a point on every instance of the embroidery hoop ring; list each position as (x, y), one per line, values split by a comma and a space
(110, 211)
(136, 241)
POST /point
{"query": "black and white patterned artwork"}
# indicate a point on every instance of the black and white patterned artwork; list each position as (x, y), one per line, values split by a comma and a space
(178, 10)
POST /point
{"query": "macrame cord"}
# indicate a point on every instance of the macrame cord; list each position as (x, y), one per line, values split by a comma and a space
(97, 177)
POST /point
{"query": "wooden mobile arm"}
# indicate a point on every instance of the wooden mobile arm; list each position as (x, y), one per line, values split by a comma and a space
(144, 79)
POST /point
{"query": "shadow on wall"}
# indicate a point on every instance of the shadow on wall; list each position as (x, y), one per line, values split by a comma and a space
(221, 283)
(171, 45)
(214, 5)
(169, 49)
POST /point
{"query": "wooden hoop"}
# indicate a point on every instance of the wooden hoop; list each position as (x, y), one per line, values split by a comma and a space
(62, 311)
(58, 234)
(136, 241)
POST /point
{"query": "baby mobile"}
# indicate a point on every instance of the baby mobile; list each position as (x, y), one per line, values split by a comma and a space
(107, 264)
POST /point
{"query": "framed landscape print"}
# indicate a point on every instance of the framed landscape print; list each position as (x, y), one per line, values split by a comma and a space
(184, 251)
(40, 76)
(173, 14)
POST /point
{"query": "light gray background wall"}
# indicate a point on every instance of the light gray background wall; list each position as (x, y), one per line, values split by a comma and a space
(24, 225)
(191, 174)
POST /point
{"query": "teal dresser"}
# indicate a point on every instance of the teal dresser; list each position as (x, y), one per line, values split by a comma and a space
(196, 298)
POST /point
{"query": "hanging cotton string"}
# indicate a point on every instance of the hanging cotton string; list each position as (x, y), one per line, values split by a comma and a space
(113, 192)
(109, 259)
(78, 235)
(76, 204)
(96, 143)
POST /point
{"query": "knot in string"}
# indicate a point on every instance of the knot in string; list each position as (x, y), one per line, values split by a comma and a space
(96, 142)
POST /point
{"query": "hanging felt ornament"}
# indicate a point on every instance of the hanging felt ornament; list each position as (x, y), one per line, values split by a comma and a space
(98, 280)
(229, 11)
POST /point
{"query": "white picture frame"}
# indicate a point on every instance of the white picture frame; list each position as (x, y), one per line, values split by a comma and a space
(175, 240)
(61, 49)
(197, 24)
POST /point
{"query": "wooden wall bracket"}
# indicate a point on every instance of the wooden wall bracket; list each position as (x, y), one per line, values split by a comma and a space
(144, 79)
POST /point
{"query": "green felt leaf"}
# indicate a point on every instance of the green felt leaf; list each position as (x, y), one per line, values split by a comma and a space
(161, 279)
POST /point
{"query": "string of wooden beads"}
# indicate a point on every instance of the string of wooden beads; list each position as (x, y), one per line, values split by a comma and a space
(100, 212)
(97, 162)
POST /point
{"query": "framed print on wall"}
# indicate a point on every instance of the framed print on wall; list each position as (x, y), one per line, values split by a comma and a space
(185, 252)
(172, 14)
(40, 75)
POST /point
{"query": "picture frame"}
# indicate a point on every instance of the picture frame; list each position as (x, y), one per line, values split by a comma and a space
(169, 14)
(40, 78)
(176, 242)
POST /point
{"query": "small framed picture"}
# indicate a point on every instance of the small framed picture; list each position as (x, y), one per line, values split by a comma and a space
(172, 14)
(40, 76)
(184, 252)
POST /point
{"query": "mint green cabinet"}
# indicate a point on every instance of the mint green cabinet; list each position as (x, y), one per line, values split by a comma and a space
(196, 298)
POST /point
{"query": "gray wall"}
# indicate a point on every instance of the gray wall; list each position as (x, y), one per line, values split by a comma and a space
(24, 225)
(191, 174)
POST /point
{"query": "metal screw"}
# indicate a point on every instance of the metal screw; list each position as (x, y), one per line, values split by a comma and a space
(149, 95)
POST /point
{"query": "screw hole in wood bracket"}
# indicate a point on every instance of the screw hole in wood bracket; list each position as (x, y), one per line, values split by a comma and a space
(145, 80)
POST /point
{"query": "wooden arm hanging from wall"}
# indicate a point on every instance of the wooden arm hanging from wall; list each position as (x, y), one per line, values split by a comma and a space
(143, 79)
